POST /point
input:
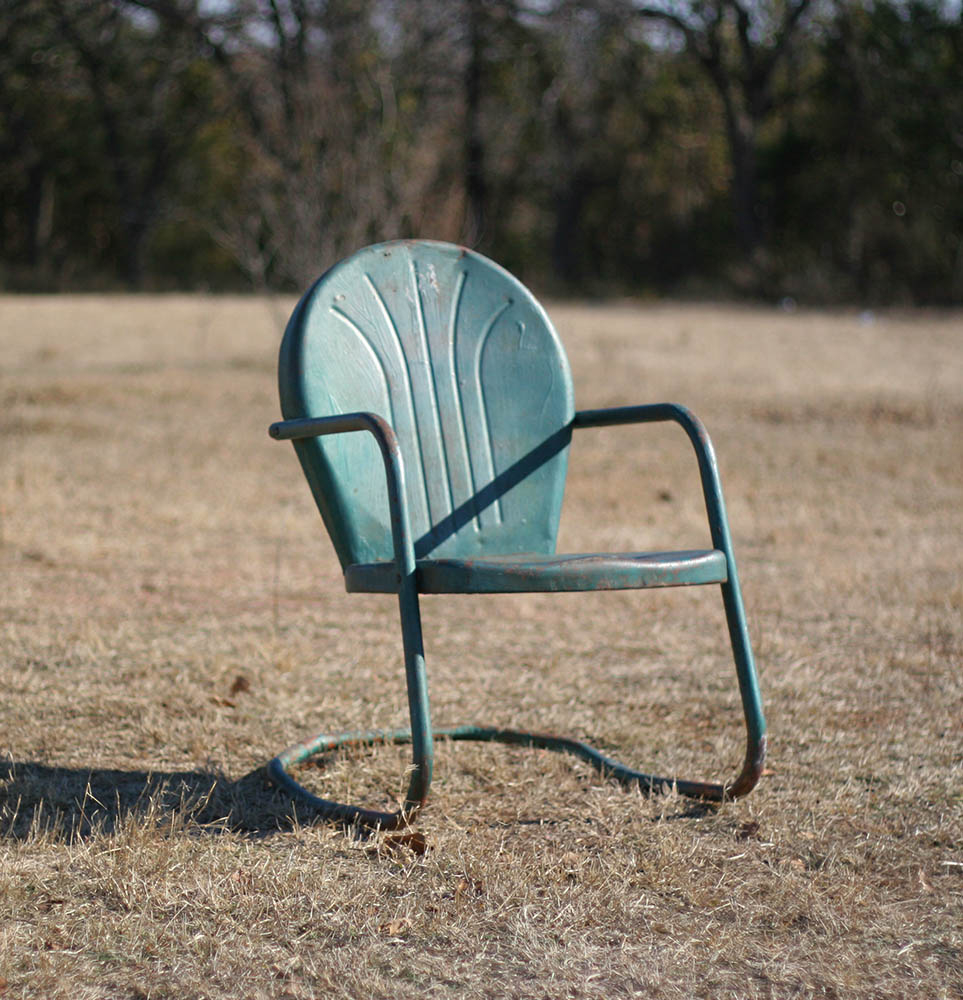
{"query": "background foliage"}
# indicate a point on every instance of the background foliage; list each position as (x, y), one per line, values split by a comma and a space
(802, 148)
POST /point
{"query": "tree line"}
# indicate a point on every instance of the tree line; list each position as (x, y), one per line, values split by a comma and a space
(771, 148)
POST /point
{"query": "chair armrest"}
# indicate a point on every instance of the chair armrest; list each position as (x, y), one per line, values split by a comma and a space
(344, 423)
(721, 539)
(699, 437)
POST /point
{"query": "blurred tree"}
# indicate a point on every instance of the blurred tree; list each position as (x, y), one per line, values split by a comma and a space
(745, 48)
(804, 147)
(870, 174)
(98, 111)
(336, 121)
(40, 167)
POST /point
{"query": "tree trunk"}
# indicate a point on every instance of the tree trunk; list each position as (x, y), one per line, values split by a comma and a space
(744, 192)
(476, 189)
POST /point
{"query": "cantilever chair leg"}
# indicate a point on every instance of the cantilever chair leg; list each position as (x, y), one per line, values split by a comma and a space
(755, 757)
(421, 736)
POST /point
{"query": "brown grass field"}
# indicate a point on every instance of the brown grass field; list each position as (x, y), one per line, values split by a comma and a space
(172, 615)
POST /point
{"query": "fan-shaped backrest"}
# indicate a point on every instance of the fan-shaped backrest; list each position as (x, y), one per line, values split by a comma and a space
(461, 360)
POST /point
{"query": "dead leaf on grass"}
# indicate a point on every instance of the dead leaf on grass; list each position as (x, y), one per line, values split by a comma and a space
(748, 830)
(466, 885)
(569, 864)
(414, 841)
(241, 683)
(241, 878)
(394, 928)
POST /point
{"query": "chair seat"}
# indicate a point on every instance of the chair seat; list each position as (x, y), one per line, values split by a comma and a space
(528, 573)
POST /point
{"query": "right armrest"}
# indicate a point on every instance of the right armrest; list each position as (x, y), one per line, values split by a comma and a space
(344, 423)
(698, 436)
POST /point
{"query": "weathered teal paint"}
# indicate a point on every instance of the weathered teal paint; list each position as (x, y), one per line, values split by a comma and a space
(449, 349)
(457, 376)
(530, 573)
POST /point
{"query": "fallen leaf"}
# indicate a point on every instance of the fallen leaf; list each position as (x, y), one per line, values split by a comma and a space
(569, 863)
(241, 683)
(747, 830)
(414, 841)
(468, 884)
(393, 928)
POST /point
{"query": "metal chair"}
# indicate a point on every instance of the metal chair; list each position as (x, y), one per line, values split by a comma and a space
(458, 384)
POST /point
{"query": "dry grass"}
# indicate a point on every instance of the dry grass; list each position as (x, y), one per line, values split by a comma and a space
(172, 616)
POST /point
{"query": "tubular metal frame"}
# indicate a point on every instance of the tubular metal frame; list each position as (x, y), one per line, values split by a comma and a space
(420, 735)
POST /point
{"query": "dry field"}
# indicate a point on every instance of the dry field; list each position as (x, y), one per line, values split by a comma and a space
(171, 616)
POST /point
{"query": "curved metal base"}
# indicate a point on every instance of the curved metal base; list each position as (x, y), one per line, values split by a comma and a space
(277, 769)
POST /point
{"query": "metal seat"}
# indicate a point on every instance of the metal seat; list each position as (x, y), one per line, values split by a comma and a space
(430, 403)
(531, 573)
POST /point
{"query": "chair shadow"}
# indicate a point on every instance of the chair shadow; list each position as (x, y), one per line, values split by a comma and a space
(69, 804)
(77, 803)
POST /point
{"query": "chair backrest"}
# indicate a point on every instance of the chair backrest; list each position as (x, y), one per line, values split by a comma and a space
(458, 356)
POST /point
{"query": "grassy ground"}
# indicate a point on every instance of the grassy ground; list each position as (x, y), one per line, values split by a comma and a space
(171, 616)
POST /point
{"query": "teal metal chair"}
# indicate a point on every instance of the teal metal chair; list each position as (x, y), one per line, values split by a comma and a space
(430, 403)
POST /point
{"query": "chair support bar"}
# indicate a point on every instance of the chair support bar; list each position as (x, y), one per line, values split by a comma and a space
(416, 679)
(722, 540)
(278, 769)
